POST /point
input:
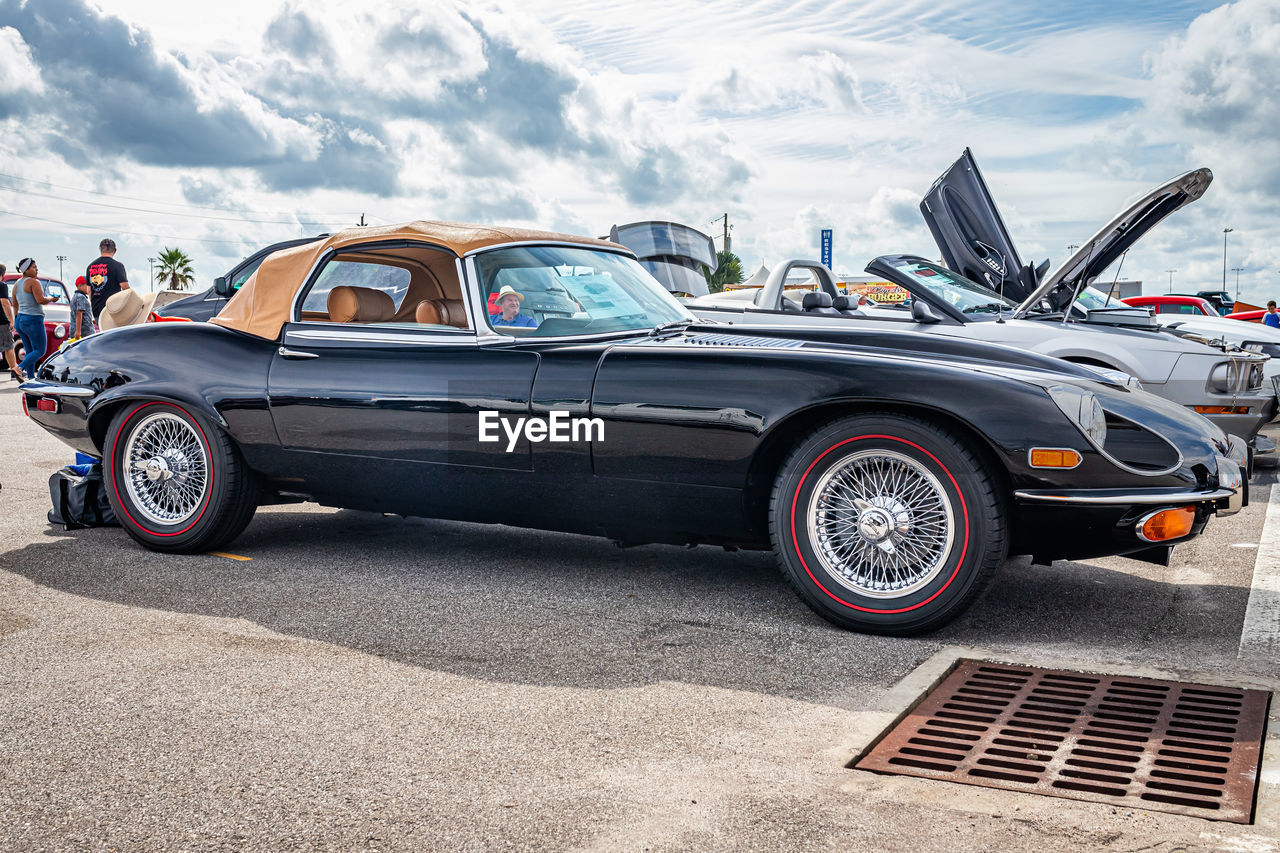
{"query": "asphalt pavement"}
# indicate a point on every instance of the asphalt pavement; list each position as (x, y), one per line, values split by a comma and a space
(362, 682)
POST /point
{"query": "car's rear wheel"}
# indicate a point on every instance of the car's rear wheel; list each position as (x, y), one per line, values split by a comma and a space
(887, 524)
(175, 481)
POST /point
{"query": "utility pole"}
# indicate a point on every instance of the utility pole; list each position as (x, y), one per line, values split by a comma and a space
(1225, 232)
(727, 229)
(1237, 271)
(152, 262)
(60, 258)
(1170, 272)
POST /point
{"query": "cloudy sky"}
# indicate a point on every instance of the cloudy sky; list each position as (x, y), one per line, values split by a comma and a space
(220, 127)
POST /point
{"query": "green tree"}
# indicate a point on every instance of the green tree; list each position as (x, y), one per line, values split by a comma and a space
(174, 272)
(727, 271)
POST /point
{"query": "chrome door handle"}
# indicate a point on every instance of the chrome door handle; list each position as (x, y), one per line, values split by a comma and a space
(293, 353)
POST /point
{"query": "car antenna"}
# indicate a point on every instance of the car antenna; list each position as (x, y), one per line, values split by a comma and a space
(1112, 288)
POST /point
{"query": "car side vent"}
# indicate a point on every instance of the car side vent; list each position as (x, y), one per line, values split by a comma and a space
(721, 340)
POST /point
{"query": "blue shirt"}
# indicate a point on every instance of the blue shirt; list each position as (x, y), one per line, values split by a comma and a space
(522, 320)
(1272, 320)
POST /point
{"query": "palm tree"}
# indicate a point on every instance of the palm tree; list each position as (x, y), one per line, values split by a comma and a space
(728, 271)
(175, 270)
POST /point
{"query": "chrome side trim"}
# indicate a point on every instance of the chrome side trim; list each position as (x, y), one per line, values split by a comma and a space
(374, 336)
(1111, 496)
(55, 389)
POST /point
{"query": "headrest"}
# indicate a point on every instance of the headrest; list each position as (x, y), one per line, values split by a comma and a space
(441, 312)
(843, 303)
(816, 299)
(360, 305)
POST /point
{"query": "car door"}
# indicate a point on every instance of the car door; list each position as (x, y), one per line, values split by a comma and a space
(970, 233)
(391, 410)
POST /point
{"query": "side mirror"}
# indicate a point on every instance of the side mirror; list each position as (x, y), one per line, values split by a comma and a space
(221, 286)
(922, 313)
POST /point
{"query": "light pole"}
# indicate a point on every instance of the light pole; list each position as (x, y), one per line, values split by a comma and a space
(152, 262)
(1171, 272)
(1237, 271)
(60, 258)
(1225, 232)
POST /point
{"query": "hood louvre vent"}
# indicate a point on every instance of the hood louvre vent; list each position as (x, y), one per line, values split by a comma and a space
(723, 340)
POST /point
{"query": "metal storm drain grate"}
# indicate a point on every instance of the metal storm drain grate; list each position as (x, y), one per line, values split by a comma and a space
(1161, 745)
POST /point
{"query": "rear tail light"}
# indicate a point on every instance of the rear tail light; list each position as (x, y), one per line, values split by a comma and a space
(47, 404)
(1167, 524)
(1222, 410)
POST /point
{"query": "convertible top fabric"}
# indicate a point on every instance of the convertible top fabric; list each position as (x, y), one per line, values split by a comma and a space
(261, 306)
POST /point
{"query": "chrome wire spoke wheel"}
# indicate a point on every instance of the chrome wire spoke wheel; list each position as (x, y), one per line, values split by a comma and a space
(166, 469)
(881, 523)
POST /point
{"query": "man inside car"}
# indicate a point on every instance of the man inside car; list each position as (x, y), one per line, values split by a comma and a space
(508, 314)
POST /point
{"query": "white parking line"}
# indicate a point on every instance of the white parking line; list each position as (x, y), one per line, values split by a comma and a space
(1260, 637)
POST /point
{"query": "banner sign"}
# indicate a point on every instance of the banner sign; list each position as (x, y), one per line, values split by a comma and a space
(826, 247)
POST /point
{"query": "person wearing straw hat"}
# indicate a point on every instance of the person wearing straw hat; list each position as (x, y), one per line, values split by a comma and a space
(508, 314)
(30, 319)
(126, 308)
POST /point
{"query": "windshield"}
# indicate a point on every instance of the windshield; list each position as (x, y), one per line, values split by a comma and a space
(561, 290)
(1091, 298)
(964, 295)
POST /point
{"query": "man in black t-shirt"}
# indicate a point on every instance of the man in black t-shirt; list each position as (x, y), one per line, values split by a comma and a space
(106, 276)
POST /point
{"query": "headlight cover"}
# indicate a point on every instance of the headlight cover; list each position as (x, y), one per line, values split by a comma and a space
(1083, 409)
(60, 331)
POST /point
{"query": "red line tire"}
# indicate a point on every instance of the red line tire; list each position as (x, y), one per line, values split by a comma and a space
(175, 481)
(886, 524)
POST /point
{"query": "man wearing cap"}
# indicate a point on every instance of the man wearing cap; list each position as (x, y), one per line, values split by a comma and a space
(509, 300)
(106, 276)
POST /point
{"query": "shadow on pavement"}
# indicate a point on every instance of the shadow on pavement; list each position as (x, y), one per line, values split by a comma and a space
(527, 607)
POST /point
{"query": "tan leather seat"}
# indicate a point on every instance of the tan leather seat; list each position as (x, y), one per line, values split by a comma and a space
(442, 312)
(360, 305)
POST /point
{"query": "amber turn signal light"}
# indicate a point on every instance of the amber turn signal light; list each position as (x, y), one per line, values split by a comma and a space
(1167, 524)
(1054, 457)
(1222, 410)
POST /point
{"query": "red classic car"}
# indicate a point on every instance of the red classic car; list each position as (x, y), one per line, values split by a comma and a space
(1248, 316)
(1169, 304)
(57, 314)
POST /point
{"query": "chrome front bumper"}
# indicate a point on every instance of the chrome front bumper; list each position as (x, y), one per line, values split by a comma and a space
(1231, 495)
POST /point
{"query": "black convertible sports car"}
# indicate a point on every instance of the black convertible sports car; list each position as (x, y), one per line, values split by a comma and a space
(370, 370)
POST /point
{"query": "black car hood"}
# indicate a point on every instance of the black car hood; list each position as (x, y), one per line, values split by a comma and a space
(962, 351)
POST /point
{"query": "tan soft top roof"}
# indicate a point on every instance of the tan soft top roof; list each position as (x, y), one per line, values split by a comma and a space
(261, 307)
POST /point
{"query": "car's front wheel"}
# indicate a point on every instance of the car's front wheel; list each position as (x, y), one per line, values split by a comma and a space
(175, 481)
(887, 524)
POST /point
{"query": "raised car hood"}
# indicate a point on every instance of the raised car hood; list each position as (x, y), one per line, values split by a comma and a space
(974, 241)
(1062, 287)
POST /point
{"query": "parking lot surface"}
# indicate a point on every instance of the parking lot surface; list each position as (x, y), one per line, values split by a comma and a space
(366, 682)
